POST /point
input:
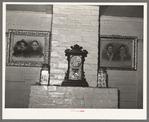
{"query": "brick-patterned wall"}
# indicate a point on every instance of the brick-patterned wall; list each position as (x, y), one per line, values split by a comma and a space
(129, 83)
(74, 25)
(18, 79)
(72, 97)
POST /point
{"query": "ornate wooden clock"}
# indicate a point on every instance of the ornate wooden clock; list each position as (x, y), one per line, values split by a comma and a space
(75, 74)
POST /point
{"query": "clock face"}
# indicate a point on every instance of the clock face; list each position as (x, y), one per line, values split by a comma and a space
(75, 61)
(75, 67)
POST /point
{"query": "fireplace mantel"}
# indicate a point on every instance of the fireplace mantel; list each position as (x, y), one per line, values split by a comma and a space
(72, 97)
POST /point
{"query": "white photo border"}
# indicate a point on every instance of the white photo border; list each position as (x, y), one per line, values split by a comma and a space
(94, 114)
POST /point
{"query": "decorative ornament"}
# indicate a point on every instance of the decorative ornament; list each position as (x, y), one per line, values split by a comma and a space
(75, 74)
(45, 75)
(102, 78)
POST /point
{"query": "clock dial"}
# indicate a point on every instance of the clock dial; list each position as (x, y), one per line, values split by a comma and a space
(75, 61)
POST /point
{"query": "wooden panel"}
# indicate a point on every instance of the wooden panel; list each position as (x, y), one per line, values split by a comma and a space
(127, 97)
(15, 85)
(12, 103)
(127, 89)
(128, 105)
(122, 11)
(124, 26)
(36, 8)
(28, 20)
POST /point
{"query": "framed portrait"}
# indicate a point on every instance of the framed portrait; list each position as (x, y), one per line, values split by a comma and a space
(118, 52)
(27, 47)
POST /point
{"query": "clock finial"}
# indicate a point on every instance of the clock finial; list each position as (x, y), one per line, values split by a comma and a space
(76, 49)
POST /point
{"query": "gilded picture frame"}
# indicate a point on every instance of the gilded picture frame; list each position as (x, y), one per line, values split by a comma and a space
(118, 52)
(29, 48)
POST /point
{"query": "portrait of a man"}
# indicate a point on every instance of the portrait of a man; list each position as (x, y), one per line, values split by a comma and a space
(20, 49)
(109, 53)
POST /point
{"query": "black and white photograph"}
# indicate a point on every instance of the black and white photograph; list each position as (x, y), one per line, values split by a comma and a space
(27, 47)
(118, 52)
(74, 60)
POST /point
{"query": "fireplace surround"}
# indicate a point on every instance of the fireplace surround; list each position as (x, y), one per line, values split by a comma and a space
(43, 96)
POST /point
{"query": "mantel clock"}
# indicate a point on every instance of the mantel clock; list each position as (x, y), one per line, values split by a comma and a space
(75, 74)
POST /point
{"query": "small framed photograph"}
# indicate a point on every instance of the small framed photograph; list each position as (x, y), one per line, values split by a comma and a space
(118, 52)
(27, 47)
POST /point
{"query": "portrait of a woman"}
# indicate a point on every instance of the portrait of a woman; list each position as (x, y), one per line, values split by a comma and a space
(123, 55)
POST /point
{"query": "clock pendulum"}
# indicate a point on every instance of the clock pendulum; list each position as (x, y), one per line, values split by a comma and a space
(75, 74)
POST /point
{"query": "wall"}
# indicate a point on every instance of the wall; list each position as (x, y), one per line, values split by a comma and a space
(18, 79)
(129, 83)
(74, 25)
(70, 25)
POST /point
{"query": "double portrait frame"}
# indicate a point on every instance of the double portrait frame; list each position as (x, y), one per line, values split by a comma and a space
(15, 36)
(118, 52)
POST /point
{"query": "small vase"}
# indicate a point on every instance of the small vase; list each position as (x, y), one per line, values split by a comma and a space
(102, 78)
